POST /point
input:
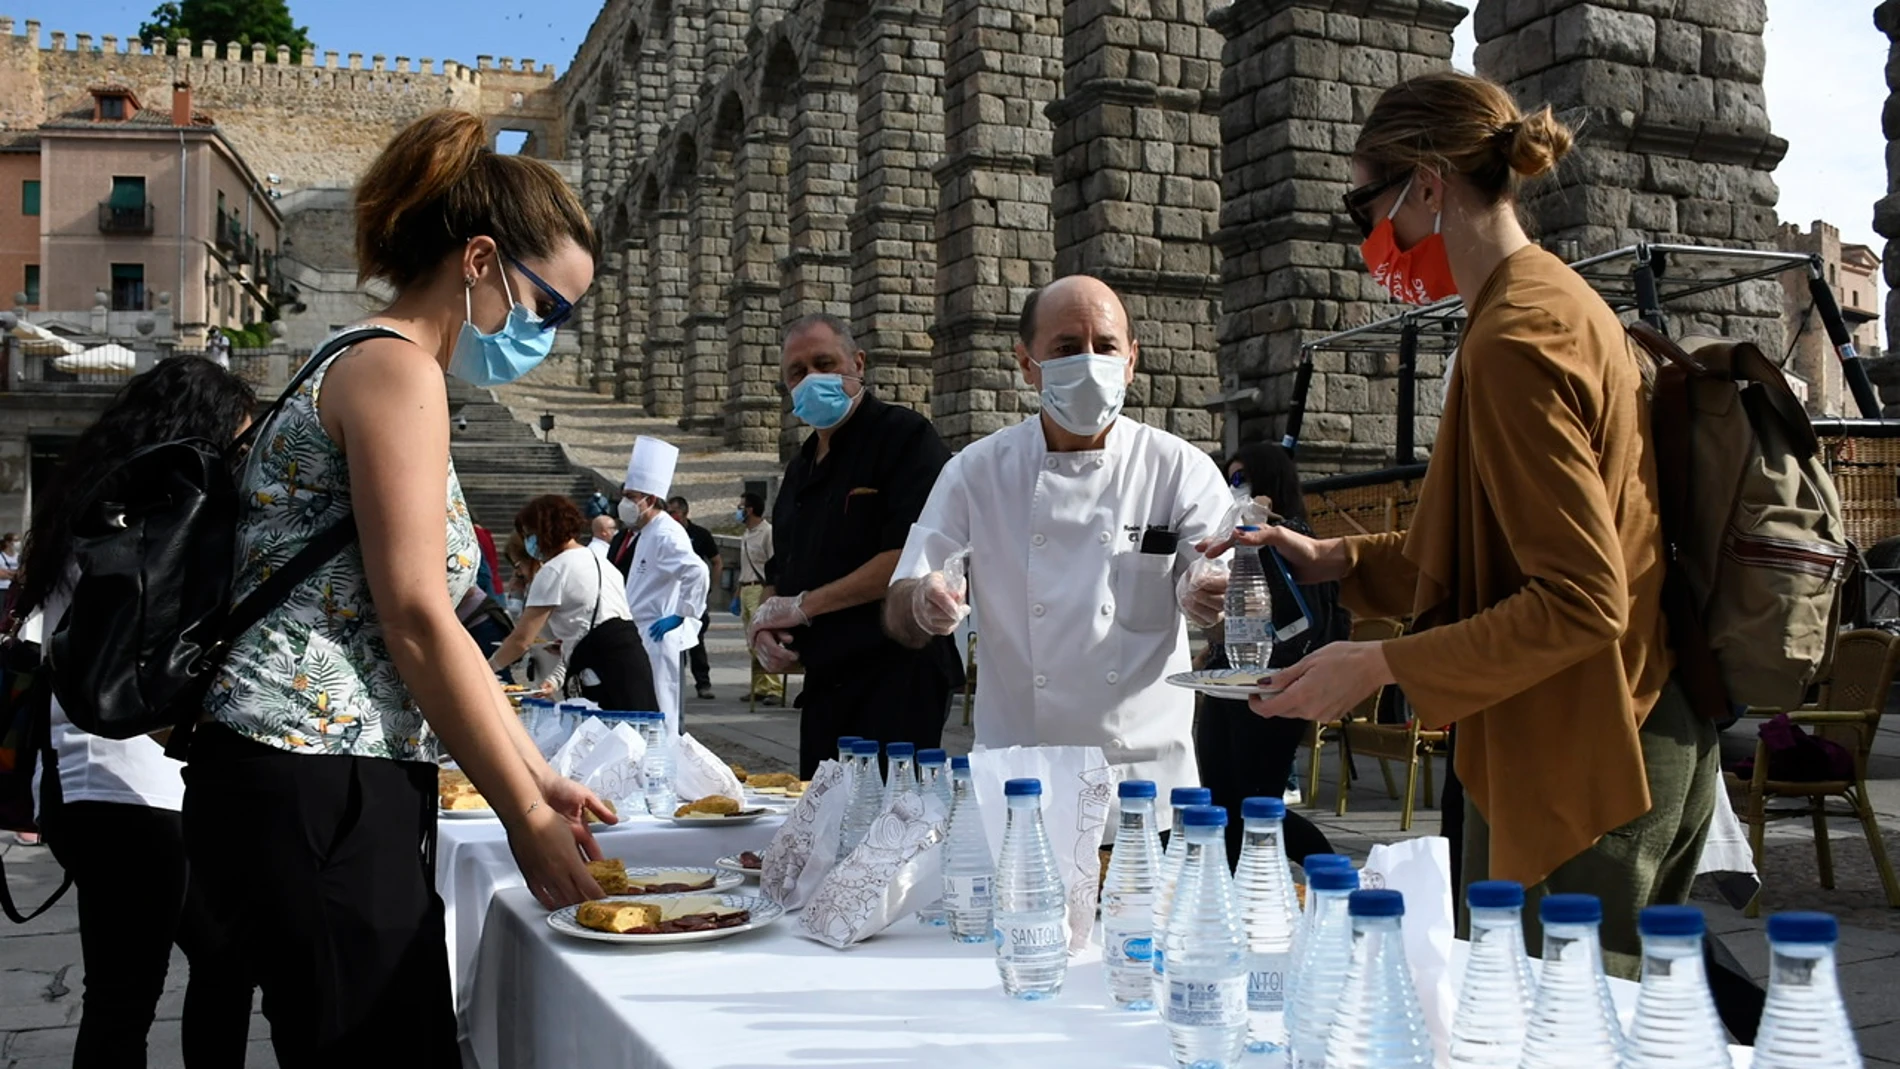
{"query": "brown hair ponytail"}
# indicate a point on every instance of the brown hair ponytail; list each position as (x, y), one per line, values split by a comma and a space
(437, 184)
(1450, 121)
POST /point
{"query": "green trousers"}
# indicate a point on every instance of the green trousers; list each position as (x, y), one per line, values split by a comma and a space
(1651, 860)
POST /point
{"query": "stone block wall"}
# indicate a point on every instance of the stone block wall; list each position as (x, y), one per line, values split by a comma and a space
(1887, 210)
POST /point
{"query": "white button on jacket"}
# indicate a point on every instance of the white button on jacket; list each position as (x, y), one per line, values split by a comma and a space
(1080, 627)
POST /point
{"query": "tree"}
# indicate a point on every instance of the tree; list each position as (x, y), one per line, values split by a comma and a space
(243, 22)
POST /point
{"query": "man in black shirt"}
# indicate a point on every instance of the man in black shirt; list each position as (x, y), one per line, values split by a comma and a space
(708, 551)
(843, 511)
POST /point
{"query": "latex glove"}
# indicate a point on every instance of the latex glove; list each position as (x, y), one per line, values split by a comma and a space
(937, 605)
(1202, 592)
(663, 625)
(774, 651)
(780, 614)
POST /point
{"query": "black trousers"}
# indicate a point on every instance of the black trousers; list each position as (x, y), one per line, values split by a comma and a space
(905, 698)
(324, 866)
(1243, 755)
(137, 896)
(702, 669)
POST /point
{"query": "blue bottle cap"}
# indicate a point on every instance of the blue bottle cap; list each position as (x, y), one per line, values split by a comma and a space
(1204, 816)
(845, 741)
(864, 748)
(1332, 878)
(1136, 788)
(1381, 903)
(901, 749)
(1803, 928)
(1262, 808)
(931, 757)
(1321, 861)
(1670, 920)
(960, 763)
(1190, 796)
(1019, 787)
(1571, 909)
(1495, 894)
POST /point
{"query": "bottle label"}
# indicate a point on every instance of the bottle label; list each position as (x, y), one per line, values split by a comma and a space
(1208, 1003)
(1123, 949)
(1266, 984)
(1249, 630)
(964, 894)
(1029, 939)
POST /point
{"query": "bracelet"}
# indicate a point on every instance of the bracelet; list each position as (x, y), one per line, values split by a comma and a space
(532, 807)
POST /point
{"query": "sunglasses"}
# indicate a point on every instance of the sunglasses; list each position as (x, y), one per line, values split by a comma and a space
(1359, 201)
(563, 308)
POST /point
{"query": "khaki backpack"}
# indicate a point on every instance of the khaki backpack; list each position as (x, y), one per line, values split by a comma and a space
(1752, 527)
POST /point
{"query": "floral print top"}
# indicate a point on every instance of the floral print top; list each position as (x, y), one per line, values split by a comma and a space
(315, 676)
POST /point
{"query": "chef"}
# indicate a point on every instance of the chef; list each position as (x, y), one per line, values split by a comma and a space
(1080, 526)
(666, 580)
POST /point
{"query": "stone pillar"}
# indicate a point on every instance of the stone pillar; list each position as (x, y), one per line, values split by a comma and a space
(995, 243)
(651, 75)
(623, 135)
(761, 165)
(599, 369)
(1297, 81)
(1887, 209)
(708, 277)
(664, 384)
(686, 57)
(1674, 143)
(817, 269)
(893, 232)
(725, 40)
(630, 371)
(1137, 195)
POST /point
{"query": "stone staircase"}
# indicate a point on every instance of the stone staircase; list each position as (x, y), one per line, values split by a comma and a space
(502, 462)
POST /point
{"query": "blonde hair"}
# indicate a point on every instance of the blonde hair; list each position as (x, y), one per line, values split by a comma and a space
(1449, 121)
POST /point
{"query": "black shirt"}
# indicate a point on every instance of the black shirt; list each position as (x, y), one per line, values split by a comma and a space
(703, 545)
(834, 515)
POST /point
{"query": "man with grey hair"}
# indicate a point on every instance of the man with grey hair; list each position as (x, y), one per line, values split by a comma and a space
(846, 504)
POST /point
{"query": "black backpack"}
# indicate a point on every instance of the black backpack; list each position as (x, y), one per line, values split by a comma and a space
(155, 540)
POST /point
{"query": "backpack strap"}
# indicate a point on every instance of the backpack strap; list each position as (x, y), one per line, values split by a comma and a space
(338, 342)
(39, 692)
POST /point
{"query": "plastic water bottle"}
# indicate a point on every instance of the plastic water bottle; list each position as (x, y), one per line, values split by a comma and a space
(903, 774)
(933, 778)
(1303, 923)
(1128, 899)
(1032, 942)
(1494, 1002)
(1379, 1024)
(969, 869)
(1804, 1022)
(1263, 885)
(1249, 634)
(1324, 955)
(867, 796)
(1206, 1007)
(844, 749)
(1179, 799)
(1676, 1026)
(658, 765)
(1572, 1024)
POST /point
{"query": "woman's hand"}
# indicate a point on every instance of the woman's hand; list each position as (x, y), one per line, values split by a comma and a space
(1311, 560)
(576, 803)
(543, 844)
(1327, 683)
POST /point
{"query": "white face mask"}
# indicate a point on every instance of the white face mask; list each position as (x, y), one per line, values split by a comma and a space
(631, 513)
(1084, 393)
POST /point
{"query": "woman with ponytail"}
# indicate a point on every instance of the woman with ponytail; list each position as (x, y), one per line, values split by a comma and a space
(309, 808)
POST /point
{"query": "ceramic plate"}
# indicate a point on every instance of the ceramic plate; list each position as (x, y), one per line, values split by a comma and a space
(722, 881)
(466, 814)
(730, 863)
(1224, 682)
(744, 816)
(764, 911)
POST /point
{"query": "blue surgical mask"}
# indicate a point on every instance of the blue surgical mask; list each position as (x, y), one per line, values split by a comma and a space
(493, 359)
(738, 515)
(534, 547)
(820, 400)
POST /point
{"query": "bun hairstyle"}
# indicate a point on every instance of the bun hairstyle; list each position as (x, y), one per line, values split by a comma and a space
(438, 183)
(1450, 121)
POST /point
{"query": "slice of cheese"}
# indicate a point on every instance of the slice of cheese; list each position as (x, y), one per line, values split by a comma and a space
(694, 880)
(686, 905)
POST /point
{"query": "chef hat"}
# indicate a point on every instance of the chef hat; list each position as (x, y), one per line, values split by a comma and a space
(650, 468)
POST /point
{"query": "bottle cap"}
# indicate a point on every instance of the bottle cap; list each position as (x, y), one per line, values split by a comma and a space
(1204, 816)
(1332, 878)
(1671, 920)
(1320, 861)
(1262, 808)
(1495, 894)
(864, 748)
(931, 757)
(1190, 796)
(1802, 928)
(1571, 909)
(960, 763)
(845, 741)
(1019, 787)
(1379, 903)
(1136, 788)
(901, 749)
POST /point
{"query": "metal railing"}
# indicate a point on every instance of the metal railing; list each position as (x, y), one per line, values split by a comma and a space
(125, 218)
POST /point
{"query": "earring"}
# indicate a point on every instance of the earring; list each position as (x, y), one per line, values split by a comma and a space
(468, 282)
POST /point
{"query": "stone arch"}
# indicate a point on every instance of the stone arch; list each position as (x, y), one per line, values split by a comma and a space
(630, 48)
(780, 76)
(685, 170)
(728, 123)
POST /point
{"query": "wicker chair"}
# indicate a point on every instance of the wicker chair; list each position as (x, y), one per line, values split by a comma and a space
(1848, 713)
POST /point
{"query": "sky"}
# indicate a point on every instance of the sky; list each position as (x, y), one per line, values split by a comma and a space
(1824, 81)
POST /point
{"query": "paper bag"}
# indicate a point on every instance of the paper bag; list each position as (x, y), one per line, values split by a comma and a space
(612, 769)
(568, 759)
(697, 773)
(1420, 869)
(806, 846)
(1078, 787)
(893, 873)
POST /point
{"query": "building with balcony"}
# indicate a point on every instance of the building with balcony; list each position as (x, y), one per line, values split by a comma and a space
(1853, 272)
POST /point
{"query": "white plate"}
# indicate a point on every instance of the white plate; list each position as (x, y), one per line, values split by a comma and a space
(1219, 683)
(466, 814)
(764, 911)
(735, 819)
(722, 881)
(730, 863)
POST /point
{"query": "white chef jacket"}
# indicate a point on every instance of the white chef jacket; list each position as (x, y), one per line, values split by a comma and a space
(1080, 628)
(665, 579)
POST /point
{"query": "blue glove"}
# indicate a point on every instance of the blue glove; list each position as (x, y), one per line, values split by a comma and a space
(663, 625)
(736, 608)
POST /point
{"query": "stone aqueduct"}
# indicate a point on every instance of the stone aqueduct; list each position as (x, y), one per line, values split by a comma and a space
(917, 166)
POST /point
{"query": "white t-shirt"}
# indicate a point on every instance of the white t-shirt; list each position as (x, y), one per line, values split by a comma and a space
(571, 583)
(599, 546)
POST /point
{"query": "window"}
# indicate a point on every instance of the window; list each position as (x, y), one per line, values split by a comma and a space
(32, 287)
(128, 191)
(128, 287)
(112, 107)
(30, 197)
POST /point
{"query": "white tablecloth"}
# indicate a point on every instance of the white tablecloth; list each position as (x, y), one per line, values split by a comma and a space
(473, 863)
